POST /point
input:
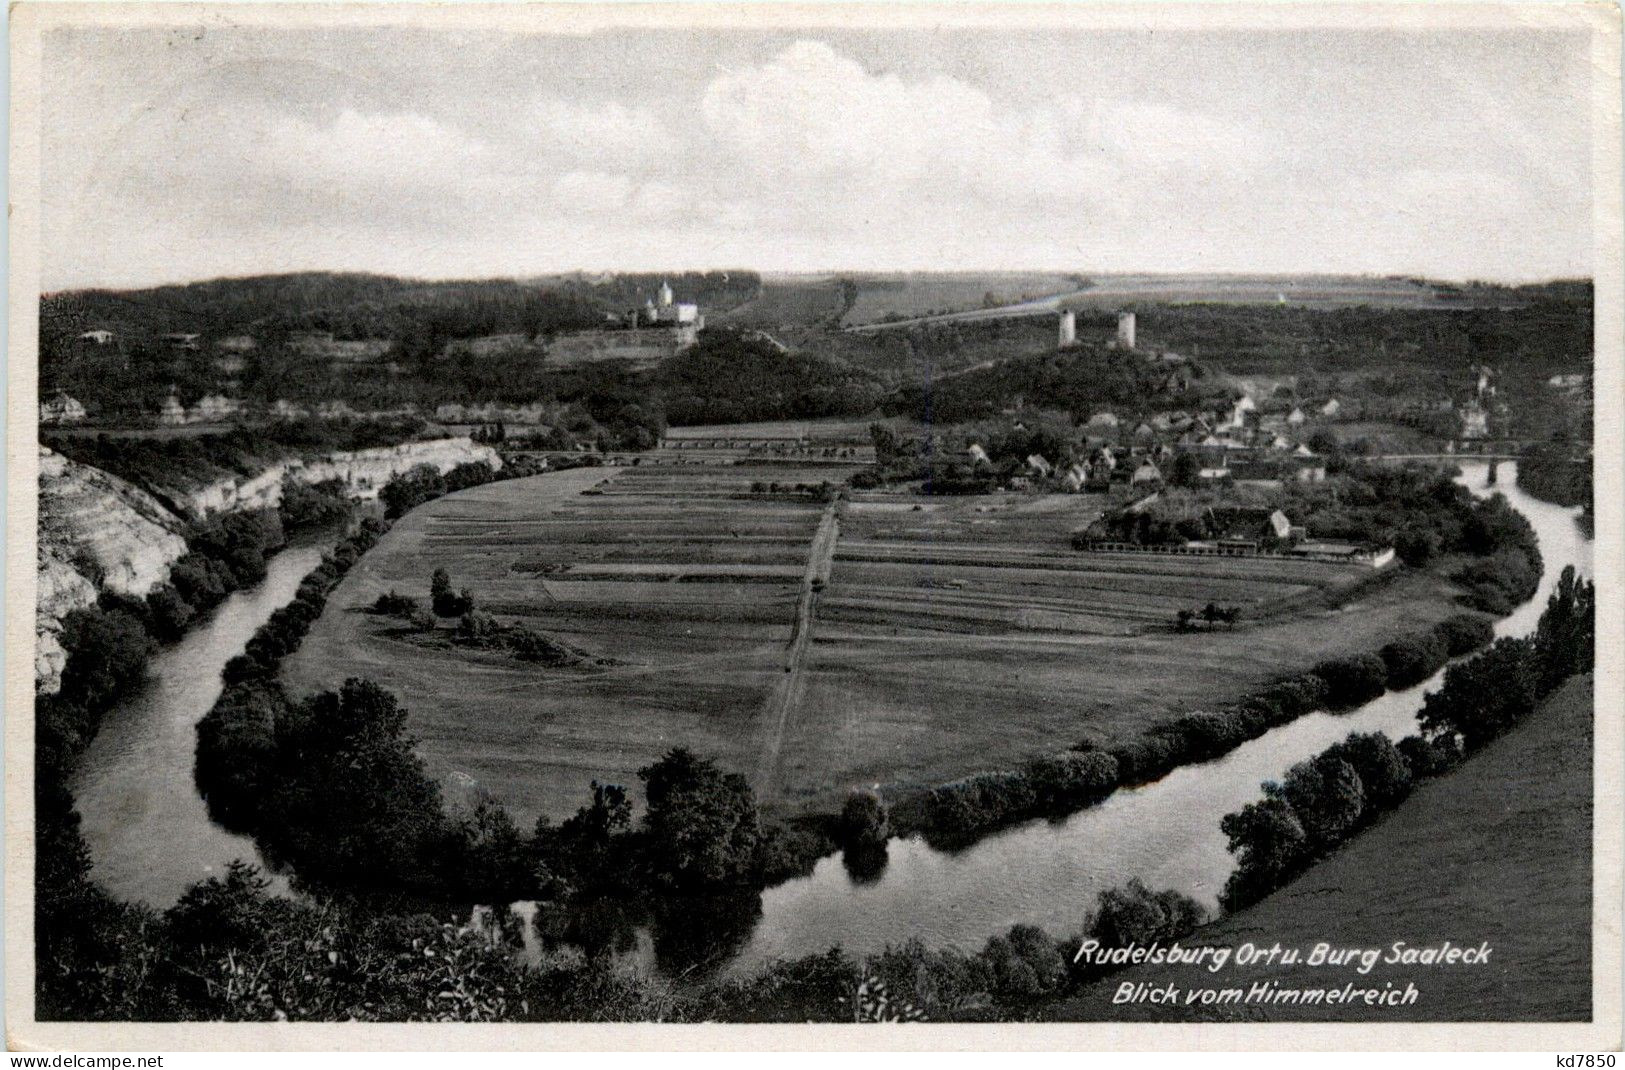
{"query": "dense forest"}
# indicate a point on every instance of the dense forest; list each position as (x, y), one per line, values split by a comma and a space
(733, 377)
(1079, 380)
(1540, 329)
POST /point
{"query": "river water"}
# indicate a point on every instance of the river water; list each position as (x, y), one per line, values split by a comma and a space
(150, 835)
(1049, 873)
(148, 829)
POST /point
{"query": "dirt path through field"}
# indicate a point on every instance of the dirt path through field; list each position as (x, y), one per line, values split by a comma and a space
(820, 560)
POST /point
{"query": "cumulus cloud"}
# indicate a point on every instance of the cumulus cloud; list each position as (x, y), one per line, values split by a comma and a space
(370, 148)
(868, 150)
(605, 131)
(812, 121)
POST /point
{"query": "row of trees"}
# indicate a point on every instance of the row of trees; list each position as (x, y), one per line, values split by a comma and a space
(1321, 802)
(956, 813)
(83, 937)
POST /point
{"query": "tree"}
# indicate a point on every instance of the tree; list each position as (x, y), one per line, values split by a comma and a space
(702, 826)
(1384, 773)
(107, 656)
(1270, 845)
(1327, 795)
(1136, 915)
(1485, 695)
(1565, 636)
(865, 821)
(1186, 470)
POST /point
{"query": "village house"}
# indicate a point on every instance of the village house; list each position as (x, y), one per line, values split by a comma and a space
(1103, 423)
(100, 337)
(1475, 420)
(172, 413)
(1257, 525)
(60, 408)
(1146, 475)
(214, 407)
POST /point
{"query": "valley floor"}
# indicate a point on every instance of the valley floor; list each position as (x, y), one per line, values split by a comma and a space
(955, 635)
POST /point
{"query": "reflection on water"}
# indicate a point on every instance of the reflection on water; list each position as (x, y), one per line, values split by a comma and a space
(149, 832)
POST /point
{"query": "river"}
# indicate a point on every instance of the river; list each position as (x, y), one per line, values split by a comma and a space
(150, 835)
(149, 831)
(1049, 873)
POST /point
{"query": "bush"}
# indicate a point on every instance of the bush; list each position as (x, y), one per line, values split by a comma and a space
(1498, 583)
(1414, 658)
(1352, 680)
(1061, 783)
(865, 822)
(1136, 915)
(479, 629)
(1201, 737)
(1428, 758)
(392, 604)
(1465, 633)
(1144, 760)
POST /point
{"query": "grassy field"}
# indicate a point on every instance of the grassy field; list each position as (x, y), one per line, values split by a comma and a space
(1498, 851)
(951, 635)
(788, 301)
(922, 294)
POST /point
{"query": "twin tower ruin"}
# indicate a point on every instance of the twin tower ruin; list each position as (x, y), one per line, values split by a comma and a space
(1069, 329)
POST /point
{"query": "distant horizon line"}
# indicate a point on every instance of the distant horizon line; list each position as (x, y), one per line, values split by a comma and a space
(849, 272)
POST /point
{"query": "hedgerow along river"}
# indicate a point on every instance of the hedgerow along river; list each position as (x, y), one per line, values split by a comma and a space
(150, 835)
(149, 831)
(1049, 873)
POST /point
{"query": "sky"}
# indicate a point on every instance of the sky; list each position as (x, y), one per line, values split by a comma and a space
(174, 155)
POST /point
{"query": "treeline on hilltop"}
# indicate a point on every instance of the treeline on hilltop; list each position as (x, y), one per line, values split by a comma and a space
(352, 306)
(739, 377)
(1079, 380)
(1322, 802)
(160, 464)
(1542, 330)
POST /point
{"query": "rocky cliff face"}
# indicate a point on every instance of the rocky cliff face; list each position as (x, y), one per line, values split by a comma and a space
(99, 533)
(363, 472)
(96, 533)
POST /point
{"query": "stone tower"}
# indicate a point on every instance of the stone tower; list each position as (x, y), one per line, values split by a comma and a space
(1069, 329)
(1125, 330)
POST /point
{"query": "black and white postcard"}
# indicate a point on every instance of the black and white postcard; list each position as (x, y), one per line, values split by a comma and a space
(1015, 526)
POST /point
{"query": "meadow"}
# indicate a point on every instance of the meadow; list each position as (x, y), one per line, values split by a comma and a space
(948, 635)
(1420, 875)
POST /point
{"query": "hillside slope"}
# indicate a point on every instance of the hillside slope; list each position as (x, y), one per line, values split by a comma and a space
(1498, 851)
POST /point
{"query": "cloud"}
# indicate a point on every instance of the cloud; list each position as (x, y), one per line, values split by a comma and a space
(369, 149)
(811, 124)
(590, 191)
(606, 132)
